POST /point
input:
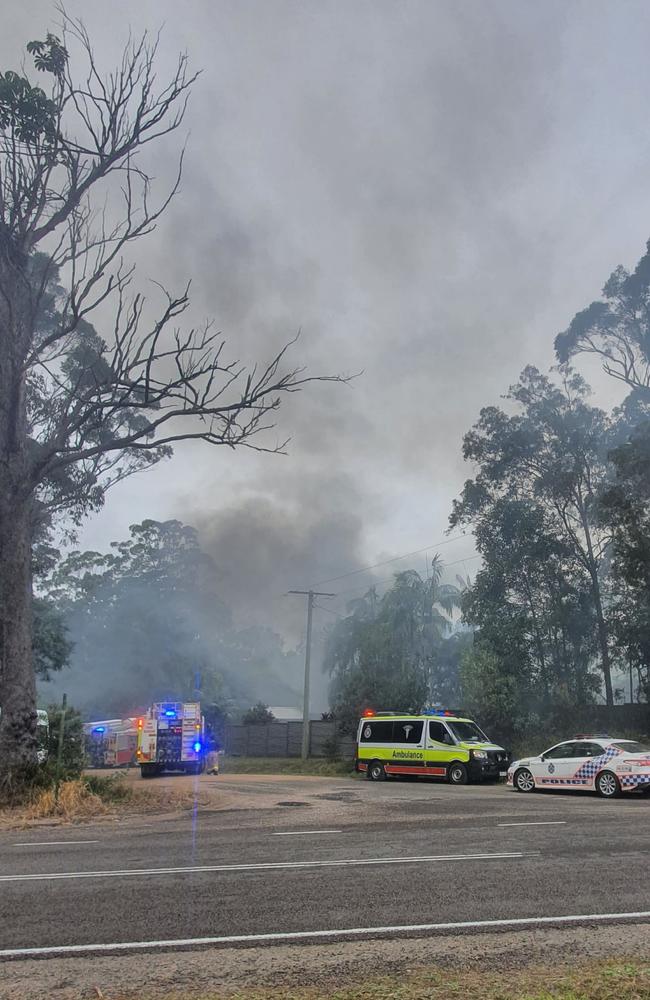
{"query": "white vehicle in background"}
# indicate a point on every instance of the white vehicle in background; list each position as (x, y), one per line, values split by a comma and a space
(42, 735)
(586, 763)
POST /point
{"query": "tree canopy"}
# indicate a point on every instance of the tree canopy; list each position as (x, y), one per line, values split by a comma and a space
(386, 653)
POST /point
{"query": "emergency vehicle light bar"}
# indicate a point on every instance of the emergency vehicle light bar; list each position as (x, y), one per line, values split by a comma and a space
(440, 711)
(592, 736)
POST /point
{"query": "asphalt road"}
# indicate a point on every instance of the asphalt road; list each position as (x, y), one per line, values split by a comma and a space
(324, 856)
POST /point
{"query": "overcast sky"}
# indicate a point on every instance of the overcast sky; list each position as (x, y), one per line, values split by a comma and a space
(429, 191)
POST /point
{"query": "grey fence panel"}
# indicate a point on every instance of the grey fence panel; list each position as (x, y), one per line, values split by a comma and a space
(284, 739)
(278, 740)
(295, 739)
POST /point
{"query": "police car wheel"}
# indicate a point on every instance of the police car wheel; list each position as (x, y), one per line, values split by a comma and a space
(524, 781)
(608, 785)
(457, 774)
(376, 771)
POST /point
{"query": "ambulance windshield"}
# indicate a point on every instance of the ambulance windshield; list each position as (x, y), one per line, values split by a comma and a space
(467, 732)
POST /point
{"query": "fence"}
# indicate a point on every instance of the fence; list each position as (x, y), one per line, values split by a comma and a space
(284, 739)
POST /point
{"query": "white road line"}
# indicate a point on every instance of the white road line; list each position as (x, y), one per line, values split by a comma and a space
(546, 822)
(479, 925)
(302, 833)
(53, 843)
(267, 866)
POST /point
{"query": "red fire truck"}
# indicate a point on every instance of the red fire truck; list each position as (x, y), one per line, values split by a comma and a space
(111, 742)
(171, 737)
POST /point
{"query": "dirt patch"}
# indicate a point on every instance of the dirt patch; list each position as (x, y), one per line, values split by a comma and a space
(477, 967)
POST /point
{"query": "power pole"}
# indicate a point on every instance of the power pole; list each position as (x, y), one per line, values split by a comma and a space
(310, 595)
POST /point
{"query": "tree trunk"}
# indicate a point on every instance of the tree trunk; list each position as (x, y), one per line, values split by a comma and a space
(603, 641)
(17, 683)
(603, 634)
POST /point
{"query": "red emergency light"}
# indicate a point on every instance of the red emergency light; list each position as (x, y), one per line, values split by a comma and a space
(368, 713)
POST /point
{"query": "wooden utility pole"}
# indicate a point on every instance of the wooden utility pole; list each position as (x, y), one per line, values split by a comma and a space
(310, 595)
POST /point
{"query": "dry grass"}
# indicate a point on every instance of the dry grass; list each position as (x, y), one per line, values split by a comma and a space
(614, 980)
(97, 797)
(75, 801)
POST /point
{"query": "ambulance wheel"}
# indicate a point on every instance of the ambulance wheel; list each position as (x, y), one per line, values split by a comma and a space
(376, 771)
(457, 774)
(523, 780)
(149, 770)
(608, 785)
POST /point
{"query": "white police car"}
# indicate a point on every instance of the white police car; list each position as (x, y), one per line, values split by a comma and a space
(586, 763)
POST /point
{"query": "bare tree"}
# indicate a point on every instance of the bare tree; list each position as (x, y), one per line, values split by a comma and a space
(79, 411)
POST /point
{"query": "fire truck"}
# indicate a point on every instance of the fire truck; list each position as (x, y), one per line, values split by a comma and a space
(111, 742)
(171, 737)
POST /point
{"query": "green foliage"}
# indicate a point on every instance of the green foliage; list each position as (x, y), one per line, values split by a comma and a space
(27, 115)
(73, 751)
(386, 652)
(496, 691)
(538, 599)
(616, 328)
(111, 788)
(51, 647)
(626, 509)
(50, 56)
(332, 747)
(257, 715)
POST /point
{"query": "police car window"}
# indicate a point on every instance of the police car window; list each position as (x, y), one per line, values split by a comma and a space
(587, 750)
(439, 733)
(563, 750)
(632, 746)
(407, 731)
(377, 731)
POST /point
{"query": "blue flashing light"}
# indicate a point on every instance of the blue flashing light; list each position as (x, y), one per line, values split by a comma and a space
(99, 729)
(170, 713)
(197, 747)
(438, 711)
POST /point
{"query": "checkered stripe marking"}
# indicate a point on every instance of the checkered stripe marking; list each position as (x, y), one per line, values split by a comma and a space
(632, 780)
(591, 767)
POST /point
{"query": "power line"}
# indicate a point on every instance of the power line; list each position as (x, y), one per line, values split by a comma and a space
(389, 579)
(407, 555)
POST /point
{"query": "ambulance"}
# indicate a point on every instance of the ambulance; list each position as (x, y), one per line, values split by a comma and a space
(171, 737)
(437, 743)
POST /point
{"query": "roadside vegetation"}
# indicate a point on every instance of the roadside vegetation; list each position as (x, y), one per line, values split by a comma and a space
(613, 980)
(286, 765)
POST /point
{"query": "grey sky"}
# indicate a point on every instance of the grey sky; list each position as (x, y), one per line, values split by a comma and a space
(429, 190)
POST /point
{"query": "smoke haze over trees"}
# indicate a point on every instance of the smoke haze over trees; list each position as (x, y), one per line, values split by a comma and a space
(390, 653)
(147, 617)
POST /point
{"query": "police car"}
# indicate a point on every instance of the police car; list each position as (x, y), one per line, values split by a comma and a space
(586, 763)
